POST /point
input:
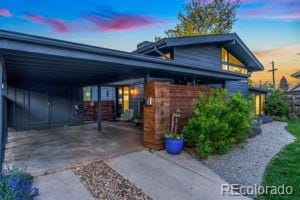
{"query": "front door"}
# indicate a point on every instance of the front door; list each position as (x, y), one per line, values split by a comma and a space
(123, 99)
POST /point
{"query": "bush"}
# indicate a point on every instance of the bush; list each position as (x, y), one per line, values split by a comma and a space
(17, 185)
(219, 121)
(276, 103)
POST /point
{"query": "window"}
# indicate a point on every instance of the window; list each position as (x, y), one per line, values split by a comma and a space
(166, 56)
(231, 63)
(259, 103)
(224, 55)
(87, 93)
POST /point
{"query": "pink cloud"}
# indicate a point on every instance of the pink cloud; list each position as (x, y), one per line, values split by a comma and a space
(260, 14)
(107, 19)
(57, 25)
(35, 18)
(4, 12)
(122, 22)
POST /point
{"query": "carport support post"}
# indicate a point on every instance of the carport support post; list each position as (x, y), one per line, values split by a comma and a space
(99, 107)
(1, 115)
(147, 77)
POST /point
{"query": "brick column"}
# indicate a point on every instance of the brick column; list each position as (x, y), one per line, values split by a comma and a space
(157, 116)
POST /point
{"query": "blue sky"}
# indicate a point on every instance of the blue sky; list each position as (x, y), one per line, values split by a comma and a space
(265, 26)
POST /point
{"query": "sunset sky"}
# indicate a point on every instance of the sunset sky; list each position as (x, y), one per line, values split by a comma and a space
(270, 28)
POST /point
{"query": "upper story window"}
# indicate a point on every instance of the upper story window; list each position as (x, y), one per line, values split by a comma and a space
(231, 63)
(166, 56)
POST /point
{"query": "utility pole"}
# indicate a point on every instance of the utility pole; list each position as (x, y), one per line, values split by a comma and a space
(273, 72)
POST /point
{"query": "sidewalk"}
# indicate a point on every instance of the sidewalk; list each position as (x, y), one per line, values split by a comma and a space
(163, 176)
(63, 185)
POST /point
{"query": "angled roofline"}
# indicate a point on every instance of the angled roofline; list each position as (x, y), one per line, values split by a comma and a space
(135, 59)
(203, 39)
(296, 75)
(258, 90)
(293, 88)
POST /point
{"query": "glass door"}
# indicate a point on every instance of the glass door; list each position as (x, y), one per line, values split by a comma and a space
(123, 99)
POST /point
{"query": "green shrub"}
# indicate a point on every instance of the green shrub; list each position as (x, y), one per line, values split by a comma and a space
(219, 121)
(276, 103)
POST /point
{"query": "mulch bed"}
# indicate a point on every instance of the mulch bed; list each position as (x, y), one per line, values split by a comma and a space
(105, 183)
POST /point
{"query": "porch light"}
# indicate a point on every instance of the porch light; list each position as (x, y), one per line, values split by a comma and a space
(133, 91)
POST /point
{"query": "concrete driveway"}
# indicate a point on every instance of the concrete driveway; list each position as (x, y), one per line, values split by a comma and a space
(46, 151)
(162, 176)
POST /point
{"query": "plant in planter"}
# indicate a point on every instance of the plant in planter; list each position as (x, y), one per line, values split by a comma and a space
(174, 142)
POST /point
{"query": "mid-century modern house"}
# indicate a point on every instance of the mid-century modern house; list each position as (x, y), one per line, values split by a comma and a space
(52, 83)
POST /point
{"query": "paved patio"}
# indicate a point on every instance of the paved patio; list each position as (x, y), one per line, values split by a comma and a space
(46, 151)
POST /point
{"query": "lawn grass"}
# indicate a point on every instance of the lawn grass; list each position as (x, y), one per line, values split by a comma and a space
(285, 167)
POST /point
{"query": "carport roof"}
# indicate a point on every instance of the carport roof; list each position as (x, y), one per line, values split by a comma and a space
(30, 58)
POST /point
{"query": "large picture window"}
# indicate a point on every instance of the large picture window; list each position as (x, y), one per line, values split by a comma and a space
(231, 63)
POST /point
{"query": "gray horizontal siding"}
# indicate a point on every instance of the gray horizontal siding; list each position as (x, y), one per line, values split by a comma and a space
(204, 56)
(136, 101)
(238, 86)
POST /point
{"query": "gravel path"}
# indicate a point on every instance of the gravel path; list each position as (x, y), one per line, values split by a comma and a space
(245, 164)
(104, 183)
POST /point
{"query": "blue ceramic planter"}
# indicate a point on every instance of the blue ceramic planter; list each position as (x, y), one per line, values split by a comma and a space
(174, 146)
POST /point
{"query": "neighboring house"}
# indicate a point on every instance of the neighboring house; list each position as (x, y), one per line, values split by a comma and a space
(293, 96)
(220, 53)
(296, 75)
(294, 90)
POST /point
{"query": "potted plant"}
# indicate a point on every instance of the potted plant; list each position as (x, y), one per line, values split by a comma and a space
(174, 143)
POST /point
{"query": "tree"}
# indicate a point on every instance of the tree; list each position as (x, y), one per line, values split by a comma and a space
(283, 84)
(202, 17)
(276, 103)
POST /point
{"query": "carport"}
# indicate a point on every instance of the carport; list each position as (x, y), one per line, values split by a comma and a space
(38, 71)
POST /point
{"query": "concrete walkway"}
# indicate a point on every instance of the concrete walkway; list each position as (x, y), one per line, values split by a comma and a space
(163, 176)
(62, 185)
